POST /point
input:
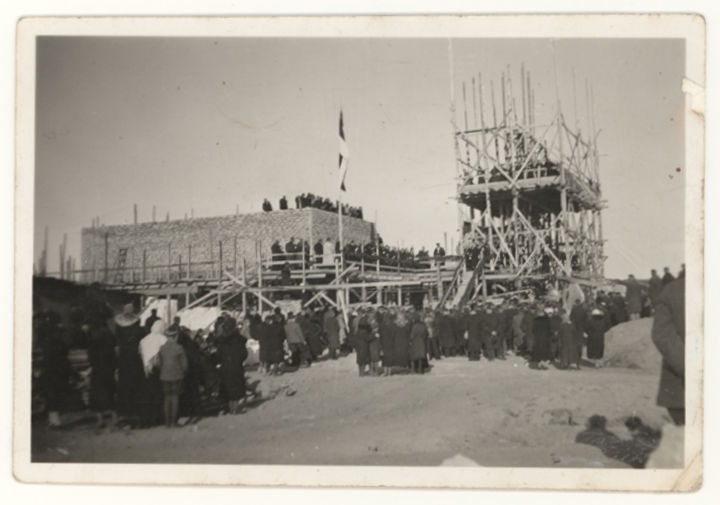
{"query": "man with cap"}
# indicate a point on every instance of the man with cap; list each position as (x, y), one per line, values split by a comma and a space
(151, 320)
(173, 367)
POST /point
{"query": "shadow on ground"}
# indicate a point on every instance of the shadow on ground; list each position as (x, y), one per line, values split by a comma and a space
(634, 451)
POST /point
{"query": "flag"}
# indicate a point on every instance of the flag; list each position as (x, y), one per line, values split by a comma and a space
(343, 159)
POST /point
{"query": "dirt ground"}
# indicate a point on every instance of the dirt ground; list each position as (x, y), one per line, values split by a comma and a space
(498, 413)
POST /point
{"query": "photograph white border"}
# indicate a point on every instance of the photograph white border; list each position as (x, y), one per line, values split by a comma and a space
(689, 27)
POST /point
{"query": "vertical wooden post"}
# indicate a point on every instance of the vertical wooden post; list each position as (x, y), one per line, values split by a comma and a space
(144, 265)
(244, 292)
(258, 263)
(363, 289)
(235, 259)
(168, 311)
(153, 216)
(105, 277)
(189, 262)
(135, 213)
(338, 294)
(169, 264)
(440, 290)
(180, 268)
(61, 262)
(220, 273)
(43, 267)
(302, 259)
(211, 242)
(399, 296)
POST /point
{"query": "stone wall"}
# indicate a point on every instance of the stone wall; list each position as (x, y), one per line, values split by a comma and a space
(171, 242)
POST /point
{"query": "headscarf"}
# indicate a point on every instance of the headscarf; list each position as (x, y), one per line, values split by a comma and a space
(127, 317)
(150, 345)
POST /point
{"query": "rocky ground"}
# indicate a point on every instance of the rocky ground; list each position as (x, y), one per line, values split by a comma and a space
(498, 413)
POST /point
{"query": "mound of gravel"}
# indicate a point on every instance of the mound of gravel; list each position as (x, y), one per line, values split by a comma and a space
(629, 345)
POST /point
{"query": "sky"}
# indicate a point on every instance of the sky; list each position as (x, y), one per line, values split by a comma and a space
(209, 124)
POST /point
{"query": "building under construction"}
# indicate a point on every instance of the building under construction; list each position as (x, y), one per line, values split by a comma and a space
(529, 202)
(528, 190)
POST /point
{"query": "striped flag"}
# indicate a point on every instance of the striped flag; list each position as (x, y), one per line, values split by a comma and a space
(343, 159)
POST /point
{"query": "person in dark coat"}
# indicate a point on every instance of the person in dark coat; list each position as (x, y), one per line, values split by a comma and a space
(386, 329)
(541, 352)
(418, 345)
(103, 361)
(56, 371)
(299, 353)
(578, 316)
(446, 334)
(190, 403)
(232, 354)
(633, 297)
(374, 345)
(459, 325)
(430, 319)
(361, 340)
(273, 336)
(655, 285)
(570, 343)
(489, 332)
(507, 335)
(475, 329)
(401, 341)
(277, 256)
(311, 326)
(331, 327)
(318, 250)
(151, 320)
(668, 335)
(283, 204)
(667, 277)
(555, 324)
(597, 325)
(128, 334)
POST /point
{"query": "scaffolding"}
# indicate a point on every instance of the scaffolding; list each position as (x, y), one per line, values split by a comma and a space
(528, 189)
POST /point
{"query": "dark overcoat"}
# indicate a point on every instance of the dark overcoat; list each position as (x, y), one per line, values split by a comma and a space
(542, 335)
(418, 341)
(596, 327)
(101, 355)
(401, 344)
(668, 335)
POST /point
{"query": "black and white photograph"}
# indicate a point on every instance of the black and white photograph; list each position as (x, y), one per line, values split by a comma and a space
(379, 251)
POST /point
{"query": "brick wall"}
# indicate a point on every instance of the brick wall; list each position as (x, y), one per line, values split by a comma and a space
(200, 239)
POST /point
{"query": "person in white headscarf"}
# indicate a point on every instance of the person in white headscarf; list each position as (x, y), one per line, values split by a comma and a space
(150, 346)
(151, 396)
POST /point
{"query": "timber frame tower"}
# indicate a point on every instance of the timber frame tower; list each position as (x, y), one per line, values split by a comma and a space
(528, 190)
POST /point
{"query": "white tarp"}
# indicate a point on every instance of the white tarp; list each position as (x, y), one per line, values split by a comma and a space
(199, 318)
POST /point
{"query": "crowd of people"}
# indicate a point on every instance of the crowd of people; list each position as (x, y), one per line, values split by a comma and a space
(150, 374)
(324, 252)
(144, 375)
(309, 200)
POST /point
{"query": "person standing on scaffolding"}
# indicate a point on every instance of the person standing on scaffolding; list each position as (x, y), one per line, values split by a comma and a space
(439, 254)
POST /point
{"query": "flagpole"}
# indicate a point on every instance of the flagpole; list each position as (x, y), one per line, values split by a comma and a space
(340, 228)
(342, 166)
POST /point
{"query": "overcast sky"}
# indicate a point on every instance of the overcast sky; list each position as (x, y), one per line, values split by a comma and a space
(209, 124)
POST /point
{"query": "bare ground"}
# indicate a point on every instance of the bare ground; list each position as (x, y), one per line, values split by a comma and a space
(495, 413)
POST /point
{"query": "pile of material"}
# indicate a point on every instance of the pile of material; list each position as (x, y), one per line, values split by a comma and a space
(629, 345)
